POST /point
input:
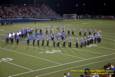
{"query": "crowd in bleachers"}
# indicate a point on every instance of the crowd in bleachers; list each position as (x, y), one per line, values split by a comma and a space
(107, 71)
(26, 11)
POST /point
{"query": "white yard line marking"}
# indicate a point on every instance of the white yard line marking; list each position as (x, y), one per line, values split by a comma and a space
(112, 34)
(11, 50)
(19, 66)
(106, 48)
(109, 39)
(2, 30)
(73, 56)
(88, 51)
(62, 65)
(106, 35)
(73, 67)
(77, 55)
(63, 54)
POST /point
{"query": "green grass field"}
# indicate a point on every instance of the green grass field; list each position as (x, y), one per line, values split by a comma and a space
(29, 61)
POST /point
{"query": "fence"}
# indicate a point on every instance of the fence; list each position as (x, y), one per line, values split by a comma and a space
(20, 20)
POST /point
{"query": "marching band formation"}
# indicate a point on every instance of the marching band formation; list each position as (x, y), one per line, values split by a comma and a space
(58, 37)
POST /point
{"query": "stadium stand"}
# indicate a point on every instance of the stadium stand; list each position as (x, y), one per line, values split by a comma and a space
(27, 11)
(108, 70)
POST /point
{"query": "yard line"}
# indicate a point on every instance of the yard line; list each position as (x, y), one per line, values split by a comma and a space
(62, 53)
(106, 48)
(73, 56)
(77, 55)
(109, 39)
(73, 67)
(88, 51)
(11, 50)
(2, 30)
(62, 64)
(19, 66)
(109, 33)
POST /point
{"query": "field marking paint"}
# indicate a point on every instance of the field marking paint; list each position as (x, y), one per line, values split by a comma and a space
(109, 39)
(109, 33)
(19, 66)
(11, 50)
(61, 52)
(88, 51)
(77, 55)
(106, 48)
(73, 56)
(2, 30)
(61, 65)
(73, 67)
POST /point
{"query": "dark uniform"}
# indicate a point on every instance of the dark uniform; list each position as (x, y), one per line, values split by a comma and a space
(54, 42)
(81, 42)
(64, 43)
(17, 39)
(85, 33)
(72, 32)
(76, 42)
(70, 41)
(46, 32)
(80, 33)
(40, 31)
(28, 41)
(85, 42)
(43, 40)
(68, 32)
(12, 40)
(47, 42)
(33, 42)
(38, 42)
(58, 44)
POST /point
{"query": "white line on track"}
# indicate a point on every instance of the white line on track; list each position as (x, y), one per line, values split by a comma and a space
(62, 64)
(19, 66)
(11, 50)
(73, 67)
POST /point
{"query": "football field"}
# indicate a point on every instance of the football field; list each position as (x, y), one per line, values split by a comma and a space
(33, 61)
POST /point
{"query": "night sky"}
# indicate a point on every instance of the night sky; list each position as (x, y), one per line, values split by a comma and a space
(93, 7)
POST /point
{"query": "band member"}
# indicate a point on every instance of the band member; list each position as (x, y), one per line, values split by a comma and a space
(33, 41)
(72, 32)
(76, 42)
(17, 38)
(81, 42)
(64, 43)
(70, 41)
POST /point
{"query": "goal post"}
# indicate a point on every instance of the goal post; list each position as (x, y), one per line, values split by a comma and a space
(69, 16)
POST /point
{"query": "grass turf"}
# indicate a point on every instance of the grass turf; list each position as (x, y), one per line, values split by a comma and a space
(29, 61)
